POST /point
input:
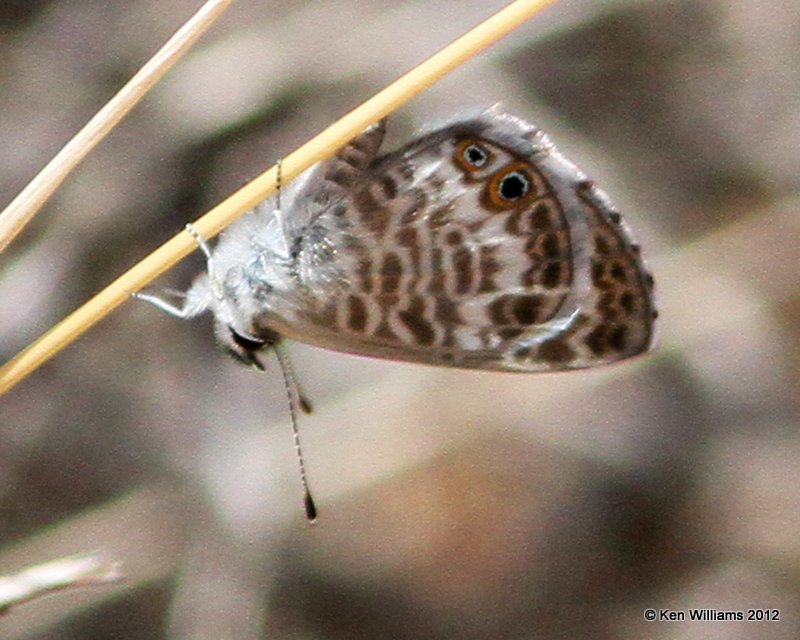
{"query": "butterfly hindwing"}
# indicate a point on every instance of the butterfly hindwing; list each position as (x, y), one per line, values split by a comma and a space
(477, 245)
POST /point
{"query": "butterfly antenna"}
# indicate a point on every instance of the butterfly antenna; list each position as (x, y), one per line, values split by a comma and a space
(296, 401)
(278, 180)
(298, 397)
(285, 248)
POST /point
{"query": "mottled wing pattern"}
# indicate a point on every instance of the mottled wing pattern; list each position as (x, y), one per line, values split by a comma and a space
(330, 181)
(477, 246)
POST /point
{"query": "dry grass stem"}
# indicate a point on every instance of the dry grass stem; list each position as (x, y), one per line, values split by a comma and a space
(74, 571)
(21, 209)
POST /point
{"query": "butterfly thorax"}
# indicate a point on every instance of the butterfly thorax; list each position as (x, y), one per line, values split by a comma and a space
(250, 272)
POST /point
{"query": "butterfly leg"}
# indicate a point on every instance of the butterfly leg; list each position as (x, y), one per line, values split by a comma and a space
(200, 240)
(162, 304)
(194, 300)
(216, 287)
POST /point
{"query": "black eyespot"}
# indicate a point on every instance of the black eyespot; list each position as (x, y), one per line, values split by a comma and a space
(514, 186)
(475, 155)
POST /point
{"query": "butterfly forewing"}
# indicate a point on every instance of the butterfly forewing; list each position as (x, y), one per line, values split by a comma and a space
(477, 245)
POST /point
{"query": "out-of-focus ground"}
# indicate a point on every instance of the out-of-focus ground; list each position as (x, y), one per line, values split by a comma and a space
(453, 504)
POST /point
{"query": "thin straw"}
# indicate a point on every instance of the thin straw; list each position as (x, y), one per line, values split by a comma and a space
(21, 209)
(318, 148)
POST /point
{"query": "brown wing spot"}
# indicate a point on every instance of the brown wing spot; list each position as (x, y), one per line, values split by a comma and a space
(388, 300)
(389, 187)
(368, 141)
(544, 216)
(628, 302)
(497, 310)
(437, 260)
(391, 272)
(596, 340)
(548, 245)
(407, 237)
(601, 245)
(342, 175)
(353, 156)
(392, 265)
(327, 316)
(556, 351)
(370, 212)
(607, 337)
(446, 311)
(488, 267)
(526, 309)
(598, 273)
(454, 237)
(541, 216)
(618, 272)
(349, 164)
(551, 275)
(462, 265)
(365, 201)
(551, 247)
(606, 307)
(364, 272)
(438, 275)
(618, 337)
(437, 283)
(513, 223)
(414, 320)
(356, 314)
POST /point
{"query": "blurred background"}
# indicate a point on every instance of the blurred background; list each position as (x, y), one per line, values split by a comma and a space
(453, 504)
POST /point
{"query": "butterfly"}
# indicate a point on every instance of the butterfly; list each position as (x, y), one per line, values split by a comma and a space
(477, 245)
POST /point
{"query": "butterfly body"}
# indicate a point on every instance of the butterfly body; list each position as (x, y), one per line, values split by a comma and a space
(478, 245)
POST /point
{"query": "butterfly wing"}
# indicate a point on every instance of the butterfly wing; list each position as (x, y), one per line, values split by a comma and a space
(476, 246)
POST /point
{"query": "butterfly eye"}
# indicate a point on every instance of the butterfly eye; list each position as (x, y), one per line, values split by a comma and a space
(514, 185)
(472, 156)
(244, 348)
(246, 342)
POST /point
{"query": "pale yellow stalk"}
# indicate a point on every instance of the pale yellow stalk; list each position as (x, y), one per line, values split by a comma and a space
(21, 209)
